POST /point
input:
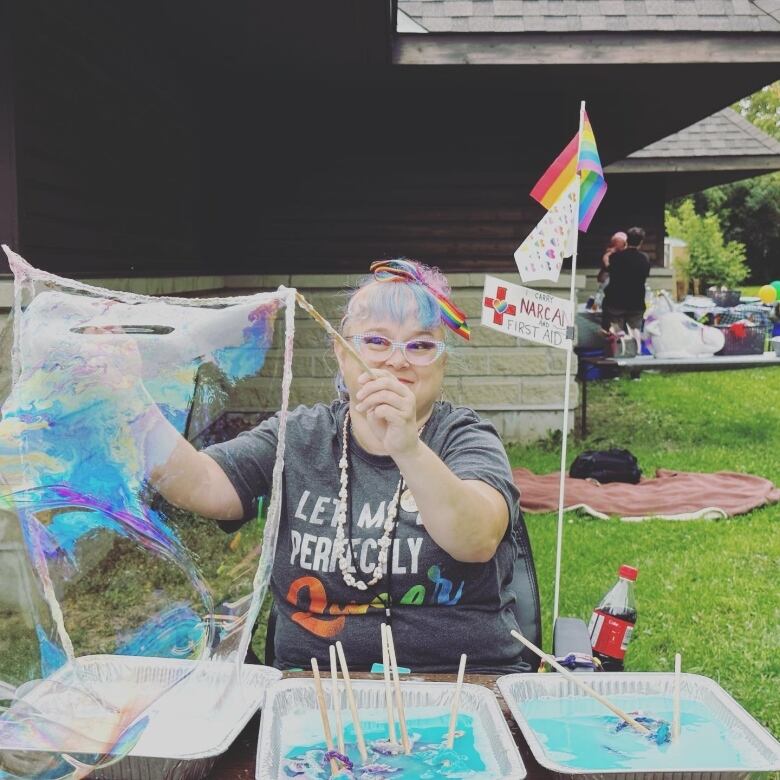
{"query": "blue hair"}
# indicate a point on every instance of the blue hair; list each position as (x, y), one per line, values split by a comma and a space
(393, 301)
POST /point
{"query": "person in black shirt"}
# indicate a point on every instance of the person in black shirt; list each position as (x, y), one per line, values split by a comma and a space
(617, 243)
(624, 300)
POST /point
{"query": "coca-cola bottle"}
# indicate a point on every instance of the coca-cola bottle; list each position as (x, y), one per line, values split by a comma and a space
(612, 622)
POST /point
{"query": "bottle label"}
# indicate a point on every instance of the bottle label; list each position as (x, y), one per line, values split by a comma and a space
(609, 635)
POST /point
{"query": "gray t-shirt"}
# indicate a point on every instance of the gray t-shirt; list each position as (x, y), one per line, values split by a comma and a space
(440, 607)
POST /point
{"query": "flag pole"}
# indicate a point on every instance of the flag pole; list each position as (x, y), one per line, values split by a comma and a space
(565, 431)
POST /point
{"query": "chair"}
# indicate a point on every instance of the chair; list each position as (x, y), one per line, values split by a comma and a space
(570, 635)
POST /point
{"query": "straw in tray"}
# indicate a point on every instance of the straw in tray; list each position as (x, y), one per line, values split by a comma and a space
(676, 701)
(399, 702)
(455, 702)
(361, 742)
(336, 697)
(388, 686)
(334, 767)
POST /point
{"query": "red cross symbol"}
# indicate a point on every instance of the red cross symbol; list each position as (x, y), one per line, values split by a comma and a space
(500, 306)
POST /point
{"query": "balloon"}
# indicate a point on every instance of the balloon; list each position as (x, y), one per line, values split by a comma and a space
(768, 293)
(776, 285)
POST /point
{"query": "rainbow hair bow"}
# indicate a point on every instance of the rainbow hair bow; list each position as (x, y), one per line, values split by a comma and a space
(404, 270)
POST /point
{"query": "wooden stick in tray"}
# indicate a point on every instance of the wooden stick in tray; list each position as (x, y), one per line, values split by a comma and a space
(399, 701)
(334, 767)
(331, 331)
(455, 701)
(580, 684)
(676, 700)
(334, 676)
(388, 686)
(361, 742)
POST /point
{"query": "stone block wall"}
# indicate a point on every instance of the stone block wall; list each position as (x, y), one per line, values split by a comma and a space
(519, 385)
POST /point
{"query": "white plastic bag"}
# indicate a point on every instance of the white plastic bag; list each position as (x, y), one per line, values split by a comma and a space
(675, 335)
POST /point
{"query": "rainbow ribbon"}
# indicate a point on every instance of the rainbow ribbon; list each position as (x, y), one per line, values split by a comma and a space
(403, 270)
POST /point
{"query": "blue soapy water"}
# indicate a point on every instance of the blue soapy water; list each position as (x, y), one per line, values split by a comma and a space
(581, 734)
(303, 749)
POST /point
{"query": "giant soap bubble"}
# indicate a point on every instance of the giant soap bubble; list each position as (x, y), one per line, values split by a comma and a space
(97, 574)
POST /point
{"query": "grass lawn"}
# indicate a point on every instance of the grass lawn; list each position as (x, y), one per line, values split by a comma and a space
(750, 289)
(707, 589)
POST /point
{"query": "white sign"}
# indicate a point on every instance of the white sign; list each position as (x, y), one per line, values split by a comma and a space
(527, 314)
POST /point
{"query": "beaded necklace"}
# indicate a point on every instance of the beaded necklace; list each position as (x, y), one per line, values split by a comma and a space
(341, 521)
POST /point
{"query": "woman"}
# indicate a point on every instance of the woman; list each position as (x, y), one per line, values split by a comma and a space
(397, 506)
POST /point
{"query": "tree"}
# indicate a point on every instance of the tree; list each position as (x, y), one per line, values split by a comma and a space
(762, 108)
(712, 259)
(749, 210)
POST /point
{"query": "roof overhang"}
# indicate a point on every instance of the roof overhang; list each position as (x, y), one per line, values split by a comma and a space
(721, 148)
(749, 165)
(585, 48)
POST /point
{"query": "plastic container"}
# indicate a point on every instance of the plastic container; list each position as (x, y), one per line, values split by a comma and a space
(612, 622)
(184, 736)
(292, 697)
(519, 690)
(742, 338)
(725, 298)
(588, 371)
(776, 345)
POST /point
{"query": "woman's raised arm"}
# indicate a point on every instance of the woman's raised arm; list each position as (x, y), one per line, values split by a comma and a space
(185, 477)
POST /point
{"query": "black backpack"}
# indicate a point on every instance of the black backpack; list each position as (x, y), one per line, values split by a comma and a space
(606, 466)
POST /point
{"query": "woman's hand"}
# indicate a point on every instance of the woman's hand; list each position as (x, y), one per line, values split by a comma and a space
(390, 410)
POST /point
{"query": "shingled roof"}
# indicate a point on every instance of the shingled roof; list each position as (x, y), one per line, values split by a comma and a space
(516, 16)
(725, 133)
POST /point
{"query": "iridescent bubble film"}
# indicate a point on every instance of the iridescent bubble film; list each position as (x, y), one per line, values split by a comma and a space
(97, 571)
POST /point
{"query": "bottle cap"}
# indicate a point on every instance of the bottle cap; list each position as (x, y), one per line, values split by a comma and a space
(629, 572)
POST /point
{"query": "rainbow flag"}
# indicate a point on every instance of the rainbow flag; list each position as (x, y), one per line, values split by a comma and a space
(559, 175)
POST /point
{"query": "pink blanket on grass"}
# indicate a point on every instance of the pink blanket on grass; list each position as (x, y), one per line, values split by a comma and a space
(675, 495)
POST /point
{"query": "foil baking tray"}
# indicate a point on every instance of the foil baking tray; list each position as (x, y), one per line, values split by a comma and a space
(198, 709)
(297, 697)
(519, 690)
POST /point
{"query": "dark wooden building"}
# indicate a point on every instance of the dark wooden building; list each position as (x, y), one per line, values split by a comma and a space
(245, 143)
(174, 137)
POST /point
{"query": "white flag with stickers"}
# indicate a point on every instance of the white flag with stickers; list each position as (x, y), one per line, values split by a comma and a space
(541, 255)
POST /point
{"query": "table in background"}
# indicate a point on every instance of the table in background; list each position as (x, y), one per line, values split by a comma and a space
(644, 363)
(238, 762)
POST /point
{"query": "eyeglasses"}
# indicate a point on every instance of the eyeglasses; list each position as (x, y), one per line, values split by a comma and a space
(418, 352)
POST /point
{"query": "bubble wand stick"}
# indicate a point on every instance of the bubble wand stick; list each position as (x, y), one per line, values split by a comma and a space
(582, 685)
(330, 330)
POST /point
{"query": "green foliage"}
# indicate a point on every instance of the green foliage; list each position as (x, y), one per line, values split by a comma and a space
(749, 212)
(707, 589)
(762, 108)
(712, 259)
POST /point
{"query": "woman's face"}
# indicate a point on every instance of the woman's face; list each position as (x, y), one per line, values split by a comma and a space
(424, 381)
